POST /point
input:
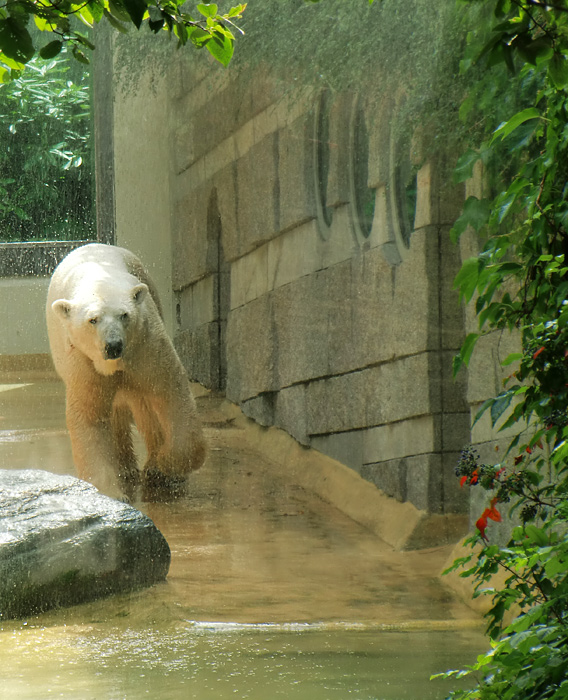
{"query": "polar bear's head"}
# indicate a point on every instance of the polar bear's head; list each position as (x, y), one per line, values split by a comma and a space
(102, 324)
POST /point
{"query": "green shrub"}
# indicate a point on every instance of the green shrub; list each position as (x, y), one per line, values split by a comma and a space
(46, 181)
(519, 281)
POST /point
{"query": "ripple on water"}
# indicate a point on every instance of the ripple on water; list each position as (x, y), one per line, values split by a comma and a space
(213, 661)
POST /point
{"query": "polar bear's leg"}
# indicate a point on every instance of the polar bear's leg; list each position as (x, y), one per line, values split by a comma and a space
(89, 422)
(183, 449)
(128, 472)
(147, 425)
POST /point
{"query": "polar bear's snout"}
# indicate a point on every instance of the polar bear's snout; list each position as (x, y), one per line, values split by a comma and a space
(114, 349)
(112, 336)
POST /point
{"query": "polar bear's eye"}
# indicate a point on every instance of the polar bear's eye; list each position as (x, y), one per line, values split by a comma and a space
(93, 320)
(124, 317)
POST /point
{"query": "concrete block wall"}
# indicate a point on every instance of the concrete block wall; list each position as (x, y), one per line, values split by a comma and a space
(307, 324)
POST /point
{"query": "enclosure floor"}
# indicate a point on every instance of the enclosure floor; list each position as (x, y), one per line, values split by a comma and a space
(248, 545)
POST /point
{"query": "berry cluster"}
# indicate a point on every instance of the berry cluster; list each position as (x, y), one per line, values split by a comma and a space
(558, 418)
(471, 471)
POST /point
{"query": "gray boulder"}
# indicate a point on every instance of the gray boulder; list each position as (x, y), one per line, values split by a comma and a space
(63, 543)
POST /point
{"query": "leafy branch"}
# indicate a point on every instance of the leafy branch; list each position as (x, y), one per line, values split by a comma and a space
(205, 28)
(519, 282)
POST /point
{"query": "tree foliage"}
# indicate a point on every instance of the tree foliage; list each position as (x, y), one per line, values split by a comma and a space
(67, 23)
(519, 282)
(46, 184)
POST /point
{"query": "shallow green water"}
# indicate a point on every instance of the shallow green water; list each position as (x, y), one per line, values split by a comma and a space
(251, 547)
(218, 661)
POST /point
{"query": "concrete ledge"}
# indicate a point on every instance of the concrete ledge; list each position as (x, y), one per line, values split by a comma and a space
(27, 368)
(401, 525)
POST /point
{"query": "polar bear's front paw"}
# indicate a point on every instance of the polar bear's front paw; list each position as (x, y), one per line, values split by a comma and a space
(129, 479)
(157, 486)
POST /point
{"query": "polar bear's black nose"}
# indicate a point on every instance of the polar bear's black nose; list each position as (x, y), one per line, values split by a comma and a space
(113, 349)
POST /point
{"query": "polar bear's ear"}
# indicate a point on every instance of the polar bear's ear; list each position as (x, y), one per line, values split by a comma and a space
(139, 293)
(62, 307)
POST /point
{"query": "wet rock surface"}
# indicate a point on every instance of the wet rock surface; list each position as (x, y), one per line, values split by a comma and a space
(63, 543)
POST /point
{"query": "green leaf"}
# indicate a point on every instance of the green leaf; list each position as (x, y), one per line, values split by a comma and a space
(85, 41)
(96, 10)
(555, 566)
(237, 11)
(464, 168)
(499, 406)
(481, 412)
(536, 535)
(118, 10)
(208, 10)
(42, 24)
(467, 278)
(221, 47)
(463, 357)
(505, 207)
(457, 364)
(509, 126)
(513, 357)
(198, 37)
(491, 313)
(114, 22)
(10, 63)
(80, 56)
(15, 40)
(136, 9)
(475, 214)
(510, 268)
(52, 49)
(558, 70)
(535, 51)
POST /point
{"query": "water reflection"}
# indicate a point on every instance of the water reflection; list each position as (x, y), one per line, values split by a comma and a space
(209, 662)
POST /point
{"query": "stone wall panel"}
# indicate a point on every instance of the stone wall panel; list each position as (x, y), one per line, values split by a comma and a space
(261, 408)
(189, 225)
(424, 482)
(389, 392)
(257, 194)
(251, 351)
(296, 173)
(415, 479)
(399, 389)
(346, 448)
(300, 328)
(337, 404)
(389, 476)
(198, 350)
(290, 412)
(226, 183)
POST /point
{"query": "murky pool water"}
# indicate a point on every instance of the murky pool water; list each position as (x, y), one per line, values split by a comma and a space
(214, 662)
(308, 604)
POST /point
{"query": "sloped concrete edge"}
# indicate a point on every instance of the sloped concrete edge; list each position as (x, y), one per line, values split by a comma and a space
(401, 525)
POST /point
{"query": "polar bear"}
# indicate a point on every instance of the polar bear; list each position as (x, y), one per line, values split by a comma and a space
(110, 347)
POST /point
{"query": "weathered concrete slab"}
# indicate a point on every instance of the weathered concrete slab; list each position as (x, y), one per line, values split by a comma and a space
(256, 175)
(296, 173)
(63, 543)
(251, 356)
